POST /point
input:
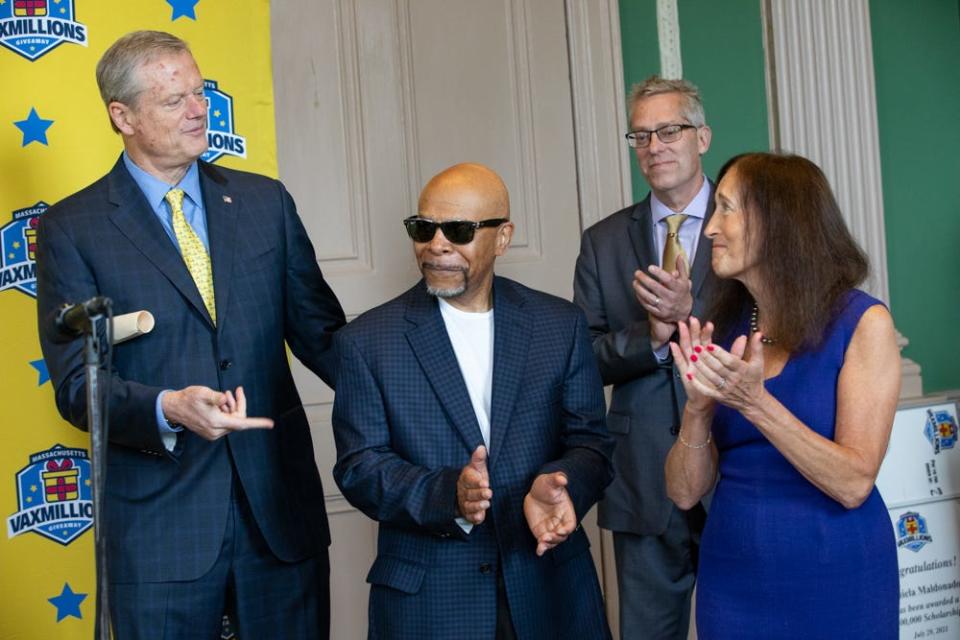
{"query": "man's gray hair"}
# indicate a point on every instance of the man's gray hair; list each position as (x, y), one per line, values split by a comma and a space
(691, 107)
(117, 71)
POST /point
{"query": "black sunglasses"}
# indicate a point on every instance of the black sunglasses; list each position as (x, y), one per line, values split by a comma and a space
(456, 231)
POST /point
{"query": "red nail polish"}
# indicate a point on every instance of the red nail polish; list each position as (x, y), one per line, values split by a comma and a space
(689, 376)
(710, 347)
(697, 349)
(693, 357)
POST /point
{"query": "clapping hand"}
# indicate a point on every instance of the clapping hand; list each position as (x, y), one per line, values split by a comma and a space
(711, 374)
(549, 511)
(473, 488)
(666, 296)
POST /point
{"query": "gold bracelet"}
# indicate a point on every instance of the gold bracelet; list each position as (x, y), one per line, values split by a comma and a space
(694, 446)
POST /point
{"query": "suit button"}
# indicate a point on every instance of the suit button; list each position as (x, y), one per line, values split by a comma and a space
(485, 568)
(674, 430)
(225, 364)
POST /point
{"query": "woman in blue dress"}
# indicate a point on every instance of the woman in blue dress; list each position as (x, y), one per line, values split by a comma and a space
(791, 389)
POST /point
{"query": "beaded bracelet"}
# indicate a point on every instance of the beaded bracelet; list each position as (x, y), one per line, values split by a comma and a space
(695, 446)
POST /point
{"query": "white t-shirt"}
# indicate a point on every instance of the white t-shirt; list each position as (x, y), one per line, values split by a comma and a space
(472, 337)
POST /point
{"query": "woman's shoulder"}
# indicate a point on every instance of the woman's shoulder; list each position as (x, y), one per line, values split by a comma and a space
(853, 304)
(855, 307)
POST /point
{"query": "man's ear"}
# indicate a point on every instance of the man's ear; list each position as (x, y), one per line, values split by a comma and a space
(504, 236)
(704, 135)
(123, 117)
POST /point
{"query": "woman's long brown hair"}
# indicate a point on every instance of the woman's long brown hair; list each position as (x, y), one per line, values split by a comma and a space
(807, 258)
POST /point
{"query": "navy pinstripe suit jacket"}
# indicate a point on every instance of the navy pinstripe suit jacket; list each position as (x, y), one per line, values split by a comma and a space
(405, 427)
(166, 511)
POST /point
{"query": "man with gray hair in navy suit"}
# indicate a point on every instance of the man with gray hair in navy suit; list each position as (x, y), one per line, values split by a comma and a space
(206, 509)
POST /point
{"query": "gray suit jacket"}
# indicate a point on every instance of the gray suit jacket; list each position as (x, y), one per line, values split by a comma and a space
(648, 396)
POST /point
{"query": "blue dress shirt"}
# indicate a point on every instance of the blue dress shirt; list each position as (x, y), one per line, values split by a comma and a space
(155, 191)
(688, 234)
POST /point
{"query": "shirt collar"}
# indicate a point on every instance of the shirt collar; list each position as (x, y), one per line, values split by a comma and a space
(155, 189)
(696, 209)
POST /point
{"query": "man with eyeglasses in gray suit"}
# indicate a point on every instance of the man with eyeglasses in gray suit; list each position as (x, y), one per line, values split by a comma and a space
(640, 271)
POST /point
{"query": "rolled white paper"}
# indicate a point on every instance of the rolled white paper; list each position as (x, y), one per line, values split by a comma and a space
(131, 325)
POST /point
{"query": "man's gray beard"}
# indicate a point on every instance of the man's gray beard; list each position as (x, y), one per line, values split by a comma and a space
(447, 293)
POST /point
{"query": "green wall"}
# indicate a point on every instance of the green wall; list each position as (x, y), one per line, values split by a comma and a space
(916, 52)
(721, 48)
(641, 58)
(916, 49)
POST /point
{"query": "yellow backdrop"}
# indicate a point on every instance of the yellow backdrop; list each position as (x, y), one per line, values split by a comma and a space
(55, 138)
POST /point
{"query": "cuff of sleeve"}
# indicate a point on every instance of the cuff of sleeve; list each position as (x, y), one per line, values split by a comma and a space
(662, 354)
(463, 524)
(164, 425)
(168, 430)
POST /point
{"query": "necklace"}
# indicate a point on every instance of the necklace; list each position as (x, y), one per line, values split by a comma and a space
(755, 325)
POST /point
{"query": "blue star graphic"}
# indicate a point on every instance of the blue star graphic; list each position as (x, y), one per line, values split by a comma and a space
(68, 603)
(41, 368)
(183, 8)
(34, 128)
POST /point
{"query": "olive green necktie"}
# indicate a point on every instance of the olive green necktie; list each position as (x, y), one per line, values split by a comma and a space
(194, 254)
(671, 246)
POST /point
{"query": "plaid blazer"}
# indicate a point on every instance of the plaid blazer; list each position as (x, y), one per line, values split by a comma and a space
(405, 427)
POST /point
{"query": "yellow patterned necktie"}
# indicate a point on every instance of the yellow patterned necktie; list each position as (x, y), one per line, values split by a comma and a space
(671, 246)
(194, 254)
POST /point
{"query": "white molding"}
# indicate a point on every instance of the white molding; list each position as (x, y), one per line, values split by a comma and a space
(911, 380)
(599, 114)
(302, 121)
(770, 76)
(360, 259)
(528, 214)
(668, 34)
(529, 244)
(410, 133)
(820, 73)
(603, 158)
(827, 110)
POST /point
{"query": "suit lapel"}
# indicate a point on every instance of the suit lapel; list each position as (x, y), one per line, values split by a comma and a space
(432, 348)
(702, 260)
(641, 235)
(221, 211)
(512, 327)
(135, 220)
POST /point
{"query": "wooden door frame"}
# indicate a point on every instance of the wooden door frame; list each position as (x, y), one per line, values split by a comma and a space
(603, 170)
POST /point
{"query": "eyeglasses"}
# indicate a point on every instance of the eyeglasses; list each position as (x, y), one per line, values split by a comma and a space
(640, 139)
(456, 231)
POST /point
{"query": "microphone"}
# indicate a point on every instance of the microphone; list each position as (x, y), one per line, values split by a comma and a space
(74, 319)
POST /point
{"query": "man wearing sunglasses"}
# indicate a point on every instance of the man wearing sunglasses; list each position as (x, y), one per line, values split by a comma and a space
(640, 271)
(469, 423)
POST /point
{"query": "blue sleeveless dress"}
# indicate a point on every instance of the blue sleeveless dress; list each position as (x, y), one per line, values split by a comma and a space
(780, 559)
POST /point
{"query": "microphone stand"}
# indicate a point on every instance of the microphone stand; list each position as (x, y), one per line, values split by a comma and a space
(97, 423)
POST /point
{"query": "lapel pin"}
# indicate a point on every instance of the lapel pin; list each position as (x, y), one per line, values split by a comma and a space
(228, 199)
